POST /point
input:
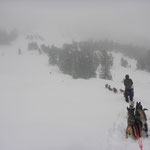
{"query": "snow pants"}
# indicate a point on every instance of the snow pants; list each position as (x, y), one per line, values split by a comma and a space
(128, 94)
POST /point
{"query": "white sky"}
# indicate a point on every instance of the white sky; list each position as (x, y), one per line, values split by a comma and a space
(118, 20)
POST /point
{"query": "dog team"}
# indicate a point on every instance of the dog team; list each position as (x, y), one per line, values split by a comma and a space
(113, 89)
(128, 92)
(136, 118)
(136, 121)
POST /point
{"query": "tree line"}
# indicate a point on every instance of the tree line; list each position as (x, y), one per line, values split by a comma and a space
(7, 37)
(80, 60)
(77, 58)
(143, 62)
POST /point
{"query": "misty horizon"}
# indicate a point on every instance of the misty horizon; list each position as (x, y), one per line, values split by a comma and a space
(121, 21)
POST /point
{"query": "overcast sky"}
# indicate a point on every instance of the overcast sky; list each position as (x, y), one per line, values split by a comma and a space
(119, 20)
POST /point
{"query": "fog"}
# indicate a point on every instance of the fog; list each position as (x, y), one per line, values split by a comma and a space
(121, 21)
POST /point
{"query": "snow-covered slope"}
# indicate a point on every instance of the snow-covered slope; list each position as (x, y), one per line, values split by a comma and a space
(43, 109)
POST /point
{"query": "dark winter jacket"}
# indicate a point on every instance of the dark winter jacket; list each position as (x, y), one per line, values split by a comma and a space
(128, 83)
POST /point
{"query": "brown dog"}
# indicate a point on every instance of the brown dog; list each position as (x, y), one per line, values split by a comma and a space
(122, 91)
(140, 114)
(131, 123)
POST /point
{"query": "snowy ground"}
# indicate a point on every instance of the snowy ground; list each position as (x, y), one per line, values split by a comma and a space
(40, 110)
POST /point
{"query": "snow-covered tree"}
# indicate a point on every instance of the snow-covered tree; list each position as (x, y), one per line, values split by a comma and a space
(53, 55)
(7, 37)
(33, 46)
(106, 62)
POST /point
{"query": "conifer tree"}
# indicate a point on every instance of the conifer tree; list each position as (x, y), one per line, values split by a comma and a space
(53, 55)
(106, 62)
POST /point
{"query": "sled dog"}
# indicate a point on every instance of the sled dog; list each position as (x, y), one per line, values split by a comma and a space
(106, 85)
(140, 114)
(109, 88)
(122, 91)
(130, 123)
(115, 90)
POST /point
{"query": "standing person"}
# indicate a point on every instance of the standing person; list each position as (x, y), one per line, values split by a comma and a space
(128, 83)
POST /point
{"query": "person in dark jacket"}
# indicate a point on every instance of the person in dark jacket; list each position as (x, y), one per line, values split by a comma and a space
(128, 88)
